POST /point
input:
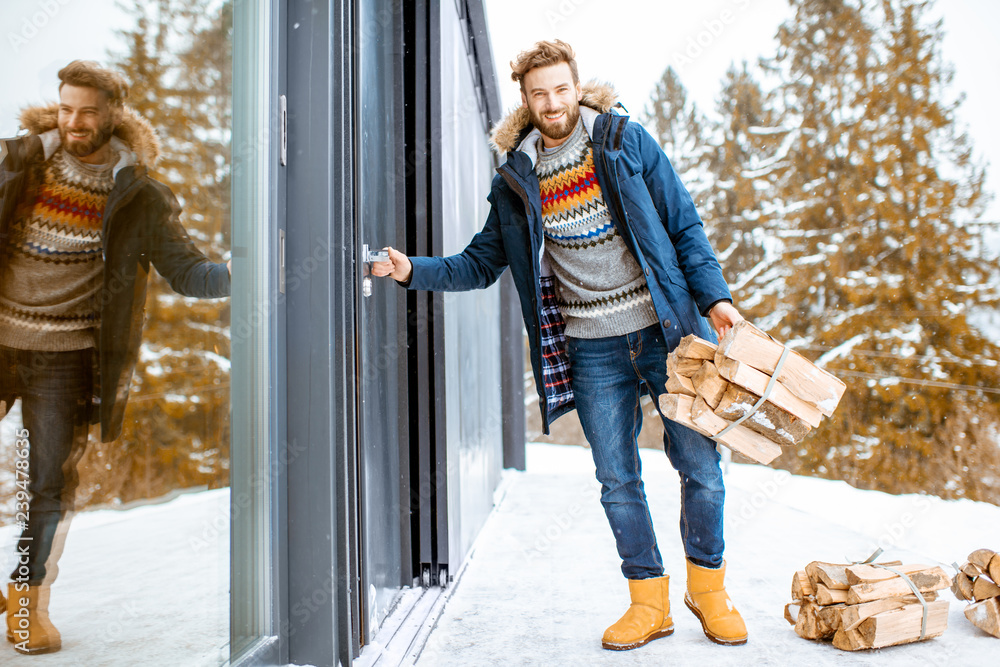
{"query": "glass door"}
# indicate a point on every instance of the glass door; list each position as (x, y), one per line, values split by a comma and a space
(383, 502)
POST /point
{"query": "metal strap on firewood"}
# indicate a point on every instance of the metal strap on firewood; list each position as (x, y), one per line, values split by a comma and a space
(763, 399)
(909, 582)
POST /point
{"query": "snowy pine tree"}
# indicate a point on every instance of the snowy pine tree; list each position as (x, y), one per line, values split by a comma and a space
(678, 126)
(744, 142)
(846, 184)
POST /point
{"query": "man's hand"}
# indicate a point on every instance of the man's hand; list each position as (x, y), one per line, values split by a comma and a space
(398, 267)
(724, 315)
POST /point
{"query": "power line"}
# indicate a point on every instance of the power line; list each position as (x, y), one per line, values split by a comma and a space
(922, 383)
(991, 363)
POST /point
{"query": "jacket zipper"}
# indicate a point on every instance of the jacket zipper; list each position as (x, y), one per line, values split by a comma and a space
(620, 210)
(519, 189)
(508, 176)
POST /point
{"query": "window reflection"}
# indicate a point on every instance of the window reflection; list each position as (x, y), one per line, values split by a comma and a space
(114, 378)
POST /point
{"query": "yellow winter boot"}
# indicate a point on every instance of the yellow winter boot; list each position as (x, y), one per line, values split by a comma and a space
(28, 624)
(706, 596)
(3, 603)
(647, 618)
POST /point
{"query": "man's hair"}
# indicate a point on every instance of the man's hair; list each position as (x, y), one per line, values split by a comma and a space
(88, 74)
(543, 54)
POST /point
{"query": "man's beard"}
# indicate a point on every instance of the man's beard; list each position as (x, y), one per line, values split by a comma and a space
(560, 130)
(90, 145)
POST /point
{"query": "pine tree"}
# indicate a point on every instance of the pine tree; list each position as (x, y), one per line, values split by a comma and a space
(678, 127)
(742, 144)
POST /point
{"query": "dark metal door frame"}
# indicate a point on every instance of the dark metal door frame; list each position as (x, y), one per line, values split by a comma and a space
(390, 365)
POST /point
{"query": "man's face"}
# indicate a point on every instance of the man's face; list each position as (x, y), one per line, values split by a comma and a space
(86, 120)
(553, 100)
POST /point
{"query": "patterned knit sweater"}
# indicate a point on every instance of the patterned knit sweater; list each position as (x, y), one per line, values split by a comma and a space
(53, 270)
(600, 288)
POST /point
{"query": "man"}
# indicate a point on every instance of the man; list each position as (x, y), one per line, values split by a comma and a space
(81, 221)
(612, 267)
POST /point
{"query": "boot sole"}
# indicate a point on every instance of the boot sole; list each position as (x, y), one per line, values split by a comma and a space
(628, 647)
(718, 640)
(37, 651)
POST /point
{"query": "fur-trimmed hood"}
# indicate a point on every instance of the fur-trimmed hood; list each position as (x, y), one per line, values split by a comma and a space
(135, 132)
(507, 134)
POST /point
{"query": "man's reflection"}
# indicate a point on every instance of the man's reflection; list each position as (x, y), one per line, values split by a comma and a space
(80, 222)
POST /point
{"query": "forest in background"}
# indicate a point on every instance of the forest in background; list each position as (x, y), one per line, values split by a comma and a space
(842, 199)
(178, 59)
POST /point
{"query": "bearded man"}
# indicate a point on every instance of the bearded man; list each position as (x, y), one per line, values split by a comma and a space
(612, 267)
(81, 221)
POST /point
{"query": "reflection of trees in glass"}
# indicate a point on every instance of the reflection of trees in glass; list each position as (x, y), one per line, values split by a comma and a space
(177, 58)
(839, 188)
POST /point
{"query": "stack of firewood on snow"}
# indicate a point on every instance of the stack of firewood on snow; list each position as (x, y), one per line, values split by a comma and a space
(710, 387)
(865, 606)
(978, 581)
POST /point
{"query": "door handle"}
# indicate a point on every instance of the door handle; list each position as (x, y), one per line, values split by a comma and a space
(368, 256)
(374, 255)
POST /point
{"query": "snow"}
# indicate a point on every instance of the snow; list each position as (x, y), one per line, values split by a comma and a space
(841, 351)
(148, 585)
(543, 580)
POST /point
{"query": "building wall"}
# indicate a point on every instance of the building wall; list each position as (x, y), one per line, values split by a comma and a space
(472, 319)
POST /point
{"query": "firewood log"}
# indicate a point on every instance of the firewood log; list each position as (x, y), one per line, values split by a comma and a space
(740, 439)
(709, 384)
(961, 586)
(678, 384)
(902, 626)
(830, 596)
(693, 347)
(983, 588)
(801, 587)
(682, 365)
(971, 570)
(756, 382)
(870, 574)
(831, 575)
(852, 615)
(981, 558)
(929, 579)
(985, 615)
(748, 344)
(771, 421)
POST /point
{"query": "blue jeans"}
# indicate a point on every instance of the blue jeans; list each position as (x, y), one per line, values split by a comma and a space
(609, 376)
(55, 390)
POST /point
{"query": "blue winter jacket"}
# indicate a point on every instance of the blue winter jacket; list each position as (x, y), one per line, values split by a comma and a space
(649, 206)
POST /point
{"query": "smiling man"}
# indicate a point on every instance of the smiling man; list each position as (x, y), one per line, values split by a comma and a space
(612, 267)
(80, 222)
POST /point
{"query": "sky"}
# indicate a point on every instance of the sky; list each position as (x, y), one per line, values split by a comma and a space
(629, 43)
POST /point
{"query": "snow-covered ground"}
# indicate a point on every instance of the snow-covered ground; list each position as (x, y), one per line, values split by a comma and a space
(543, 581)
(145, 586)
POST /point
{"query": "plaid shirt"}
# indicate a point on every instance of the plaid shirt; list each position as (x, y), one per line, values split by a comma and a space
(556, 372)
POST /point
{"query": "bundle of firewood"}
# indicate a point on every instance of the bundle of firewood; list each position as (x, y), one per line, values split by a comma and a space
(865, 606)
(977, 581)
(710, 387)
